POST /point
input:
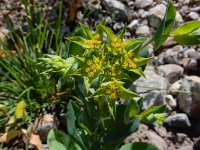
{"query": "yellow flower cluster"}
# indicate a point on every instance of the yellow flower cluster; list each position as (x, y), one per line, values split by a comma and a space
(129, 62)
(92, 68)
(114, 70)
(113, 89)
(94, 42)
(117, 44)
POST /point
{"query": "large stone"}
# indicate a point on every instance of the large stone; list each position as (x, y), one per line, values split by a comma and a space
(173, 55)
(193, 15)
(143, 3)
(189, 100)
(132, 26)
(153, 88)
(156, 15)
(175, 87)
(190, 65)
(178, 120)
(171, 71)
(116, 8)
(171, 101)
(143, 31)
(43, 125)
(155, 139)
(191, 53)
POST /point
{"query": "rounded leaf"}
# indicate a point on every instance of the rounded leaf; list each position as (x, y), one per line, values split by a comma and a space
(184, 34)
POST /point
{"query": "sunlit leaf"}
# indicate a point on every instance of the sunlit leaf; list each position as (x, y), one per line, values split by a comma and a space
(152, 110)
(188, 34)
(125, 93)
(131, 42)
(87, 31)
(78, 40)
(20, 110)
(109, 32)
(166, 26)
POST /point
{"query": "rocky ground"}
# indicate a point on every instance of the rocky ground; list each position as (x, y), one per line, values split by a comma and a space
(172, 76)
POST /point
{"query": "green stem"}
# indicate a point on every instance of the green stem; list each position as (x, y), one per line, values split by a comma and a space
(146, 44)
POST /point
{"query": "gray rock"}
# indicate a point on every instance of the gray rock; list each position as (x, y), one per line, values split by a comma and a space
(172, 56)
(161, 131)
(143, 31)
(189, 100)
(132, 26)
(95, 4)
(171, 72)
(153, 88)
(108, 20)
(181, 137)
(117, 8)
(191, 53)
(118, 25)
(186, 147)
(193, 15)
(178, 120)
(175, 87)
(179, 18)
(169, 42)
(189, 64)
(156, 15)
(157, 140)
(142, 13)
(143, 3)
(171, 101)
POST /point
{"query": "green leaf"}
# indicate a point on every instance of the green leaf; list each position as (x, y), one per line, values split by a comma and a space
(20, 110)
(138, 146)
(138, 71)
(166, 26)
(72, 66)
(87, 31)
(141, 61)
(71, 125)
(78, 40)
(131, 111)
(58, 140)
(196, 33)
(109, 32)
(75, 49)
(115, 135)
(131, 42)
(188, 34)
(121, 33)
(156, 119)
(125, 93)
(151, 110)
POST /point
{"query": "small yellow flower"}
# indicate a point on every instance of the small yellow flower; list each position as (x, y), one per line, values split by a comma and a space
(117, 44)
(113, 88)
(94, 42)
(129, 61)
(92, 68)
(91, 74)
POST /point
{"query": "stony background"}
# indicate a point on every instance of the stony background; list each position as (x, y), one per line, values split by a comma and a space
(172, 76)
